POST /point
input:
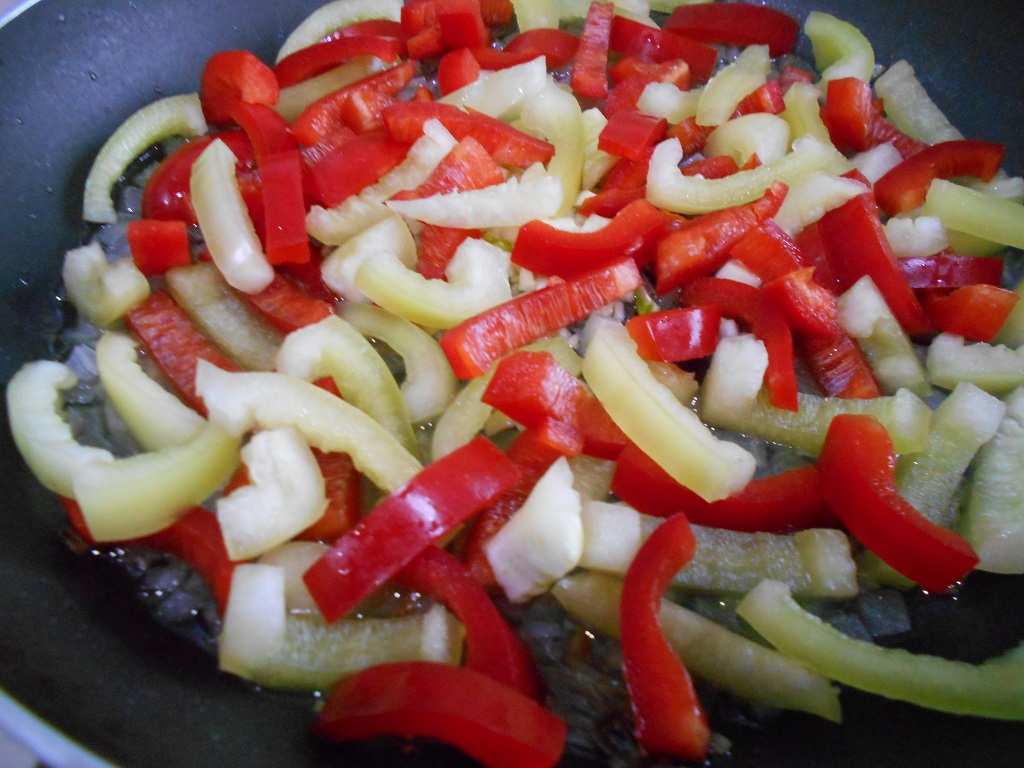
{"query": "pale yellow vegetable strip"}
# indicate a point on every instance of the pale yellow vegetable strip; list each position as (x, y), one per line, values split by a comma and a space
(556, 115)
(910, 108)
(102, 292)
(295, 98)
(974, 213)
(336, 15)
(840, 49)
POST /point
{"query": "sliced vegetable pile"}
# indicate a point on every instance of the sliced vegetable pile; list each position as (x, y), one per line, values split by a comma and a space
(480, 315)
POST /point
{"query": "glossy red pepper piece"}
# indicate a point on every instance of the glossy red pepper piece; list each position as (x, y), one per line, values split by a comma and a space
(353, 166)
(439, 498)
(473, 345)
(668, 718)
(346, 105)
(633, 232)
(492, 646)
(809, 309)
(630, 132)
(467, 166)
(763, 99)
(855, 245)
(609, 202)
(285, 240)
(268, 132)
(175, 344)
(490, 722)
(531, 387)
(497, 13)
(457, 69)
(232, 76)
(590, 67)
(855, 121)
(431, 27)
(768, 251)
(766, 322)
(628, 90)
(976, 312)
(716, 167)
(343, 487)
(508, 145)
(791, 74)
(317, 59)
(676, 335)
(533, 451)
(632, 38)
(736, 24)
(628, 174)
(157, 246)
(702, 246)
(557, 46)
(904, 187)
(951, 270)
(437, 246)
(857, 468)
(788, 501)
(690, 135)
(287, 306)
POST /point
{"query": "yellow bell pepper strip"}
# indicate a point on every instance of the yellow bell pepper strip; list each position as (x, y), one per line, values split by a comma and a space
(730, 85)
(102, 292)
(556, 115)
(164, 118)
(974, 213)
(429, 384)
(475, 343)
(154, 416)
(43, 437)
(840, 49)
(668, 188)
(496, 93)
(332, 347)
(995, 368)
(994, 688)
(857, 468)
(223, 316)
(413, 517)
(665, 429)
(242, 401)
(668, 719)
(803, 113)
(294, 99)
(910, 107)
(709, 650)
(388, 237)
(225, 222)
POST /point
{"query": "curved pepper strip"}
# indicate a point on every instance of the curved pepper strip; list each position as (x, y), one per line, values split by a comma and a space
(735, 24)
(857, 470)
(994, 688)
(413, 517)
(233, 76)
(488, 721)
(676, 335)
(668, 717)
(492, 646)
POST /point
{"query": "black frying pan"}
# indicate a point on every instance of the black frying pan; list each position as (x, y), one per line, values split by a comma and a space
(77, 651)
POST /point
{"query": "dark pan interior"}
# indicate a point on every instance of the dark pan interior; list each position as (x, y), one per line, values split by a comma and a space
(77, 650)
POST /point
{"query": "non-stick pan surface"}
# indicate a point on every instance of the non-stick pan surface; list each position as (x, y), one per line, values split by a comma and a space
(77, 651)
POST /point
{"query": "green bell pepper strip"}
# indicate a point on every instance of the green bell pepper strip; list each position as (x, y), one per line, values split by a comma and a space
(709, 650)
(996, 369)
(994, 688)
(840, 49)
(242, 401)
(974, 213)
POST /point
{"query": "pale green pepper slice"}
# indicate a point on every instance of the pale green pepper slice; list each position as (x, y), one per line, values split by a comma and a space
(556, 115)
(974, 213)
(102, 292)
(993, 689)
(840, 49)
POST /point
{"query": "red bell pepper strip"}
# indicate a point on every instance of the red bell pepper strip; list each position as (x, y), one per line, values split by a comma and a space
(329, 112)
(557, 46)
(855, 245)
(431, 27)
(630, 132)
(628, 174)
(457, 69)
(531, 387)
(809, 309)
(950, 270)
(439, 498)
(768, 251)
(627, 92)
(467, 166)
(317, 59)
(855, 122)
(492, 646)
(509, 146)
(676, 335)
(759, 313)
(157, 246)
(309, 277)
(268, 132)
(976, 312)
(490, 722)
(634, 232)
(766, 98)
(533, 451)
(736, 24)
(288, 307)
(232, 76)
(857, 468)
(590, 67)
(702, 246)
(904, 187)
(716, 167)
(791, 74)
(632, 38)
(609, 203)
(437, 246)
(343, 486)
(812, 248)
(353, 166)
(367, 27)
(690, 135)
(167, 195)
(668, 719)
(175, 344)
(497, 13)
(475, 343)
(788, 501)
